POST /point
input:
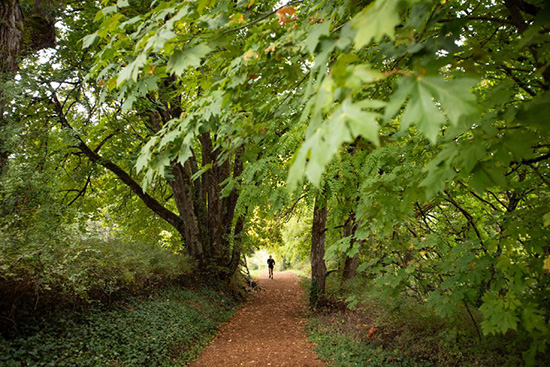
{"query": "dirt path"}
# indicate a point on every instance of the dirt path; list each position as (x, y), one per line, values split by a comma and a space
(268, 331)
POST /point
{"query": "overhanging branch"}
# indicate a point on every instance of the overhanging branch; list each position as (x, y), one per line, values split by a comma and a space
(169, 216)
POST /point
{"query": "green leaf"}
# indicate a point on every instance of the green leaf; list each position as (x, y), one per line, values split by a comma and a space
(317, 31)
(485, 176)
(191, 57)
(352, 302)
(405, 87)
(131, 71)
(376, 21)
(145, 154)
(422, 111)
(297, 168)
(455, 95)
(89, 40)
(128, 103)
(361, 123)
(200, 172)
(109, 10)
(499, 314)
(533, 319)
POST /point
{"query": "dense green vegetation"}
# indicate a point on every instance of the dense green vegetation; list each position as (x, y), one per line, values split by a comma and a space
(402, 331)
(403, 144)
(166, 328)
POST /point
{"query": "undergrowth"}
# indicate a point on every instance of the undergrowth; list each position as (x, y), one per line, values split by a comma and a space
(400, 332)
(342, 349)
(166, 328)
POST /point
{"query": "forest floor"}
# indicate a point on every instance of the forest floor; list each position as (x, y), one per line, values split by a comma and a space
(267, 331)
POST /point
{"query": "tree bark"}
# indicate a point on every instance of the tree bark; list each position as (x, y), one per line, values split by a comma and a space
(19, 34)
(237, 249)
(11, 35)
(182, 187)
(351, 263)
(318, 266)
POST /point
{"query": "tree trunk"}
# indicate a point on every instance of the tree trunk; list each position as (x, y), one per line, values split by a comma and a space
(11, 35)
(182, 187)
(351, 263)
(19, 34)
(237, 249)
(318, 267)
(350, 267)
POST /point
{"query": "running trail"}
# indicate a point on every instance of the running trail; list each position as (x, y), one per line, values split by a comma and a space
(267, 331)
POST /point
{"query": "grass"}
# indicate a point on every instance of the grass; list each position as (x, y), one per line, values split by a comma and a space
(167, 328)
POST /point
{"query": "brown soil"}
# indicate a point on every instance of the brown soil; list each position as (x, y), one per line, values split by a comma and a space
(267, 331)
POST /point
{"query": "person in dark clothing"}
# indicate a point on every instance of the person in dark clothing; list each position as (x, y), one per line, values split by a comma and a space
(270, 265)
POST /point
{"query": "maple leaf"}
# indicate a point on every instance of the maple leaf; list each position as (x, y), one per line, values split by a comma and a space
(286, 15)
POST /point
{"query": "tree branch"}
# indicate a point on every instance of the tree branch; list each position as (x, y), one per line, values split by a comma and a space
(466, 215)
(122, 175)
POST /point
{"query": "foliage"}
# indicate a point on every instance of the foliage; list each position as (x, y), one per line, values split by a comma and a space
(43, 268)
(422, 122)
(166, 328)
(341, 348)
(411, 326)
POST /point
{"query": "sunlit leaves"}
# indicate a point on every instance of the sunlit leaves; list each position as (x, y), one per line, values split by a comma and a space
(376, 21)
(89, 40)
(317, 31)
(361, 123)
(345, 124)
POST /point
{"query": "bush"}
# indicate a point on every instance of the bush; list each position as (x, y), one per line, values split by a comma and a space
(39, 272)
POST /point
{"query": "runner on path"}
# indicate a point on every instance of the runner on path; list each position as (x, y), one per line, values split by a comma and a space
(267, 331)
(270, 264)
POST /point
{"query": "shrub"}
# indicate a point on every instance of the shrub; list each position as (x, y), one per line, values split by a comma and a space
(39, 272)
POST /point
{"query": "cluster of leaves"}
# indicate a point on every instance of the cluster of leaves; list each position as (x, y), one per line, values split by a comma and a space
(165, 328)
